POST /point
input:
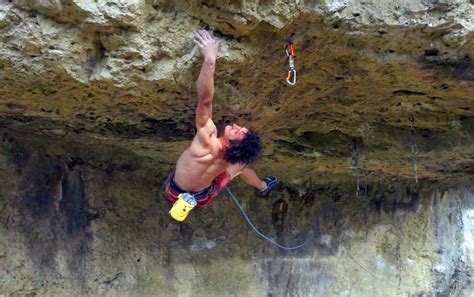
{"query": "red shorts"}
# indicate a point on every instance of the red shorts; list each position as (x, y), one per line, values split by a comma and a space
(203, 197)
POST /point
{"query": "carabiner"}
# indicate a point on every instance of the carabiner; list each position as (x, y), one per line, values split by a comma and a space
(291, 78)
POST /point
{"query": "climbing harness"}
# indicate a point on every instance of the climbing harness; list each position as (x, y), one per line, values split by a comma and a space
(290, 53)
(355, 164)
(304, 242)
(414, 148)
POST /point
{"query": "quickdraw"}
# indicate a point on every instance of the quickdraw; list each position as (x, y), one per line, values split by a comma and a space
(355, 164)
(290, 53)
(366, 188)
(414, 148)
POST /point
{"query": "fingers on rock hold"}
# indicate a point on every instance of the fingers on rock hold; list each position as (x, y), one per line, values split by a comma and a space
(198, 42)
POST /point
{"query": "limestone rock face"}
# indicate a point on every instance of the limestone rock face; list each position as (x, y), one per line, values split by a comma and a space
(97, 101)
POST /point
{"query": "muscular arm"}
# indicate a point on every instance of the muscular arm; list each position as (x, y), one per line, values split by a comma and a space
(205, 93)
(205, 83)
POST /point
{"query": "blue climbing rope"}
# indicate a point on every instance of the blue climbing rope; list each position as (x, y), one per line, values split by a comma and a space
(304, 242)
(308, 239)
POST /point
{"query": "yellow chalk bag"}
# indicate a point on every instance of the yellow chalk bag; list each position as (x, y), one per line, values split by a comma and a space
(182, 206)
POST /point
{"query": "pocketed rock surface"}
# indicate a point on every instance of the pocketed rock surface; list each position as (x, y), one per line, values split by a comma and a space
(97, 101)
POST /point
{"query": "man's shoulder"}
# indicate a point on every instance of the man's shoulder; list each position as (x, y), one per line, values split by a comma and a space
(205, 137)
(210, 124)
(209, 128)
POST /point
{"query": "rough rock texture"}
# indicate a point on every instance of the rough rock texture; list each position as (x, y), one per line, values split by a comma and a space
(97, 101)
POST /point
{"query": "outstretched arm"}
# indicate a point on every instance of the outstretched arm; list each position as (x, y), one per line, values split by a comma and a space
(205, 83)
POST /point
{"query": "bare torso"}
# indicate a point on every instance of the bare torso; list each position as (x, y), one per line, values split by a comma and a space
(200, 164)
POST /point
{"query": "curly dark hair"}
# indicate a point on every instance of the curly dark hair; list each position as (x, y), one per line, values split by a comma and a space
(245, 151)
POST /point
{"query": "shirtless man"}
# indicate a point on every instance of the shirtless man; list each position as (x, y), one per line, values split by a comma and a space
(210, 163)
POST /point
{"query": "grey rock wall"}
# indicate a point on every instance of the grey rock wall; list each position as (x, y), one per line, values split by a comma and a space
(97, 102)
(90, 220)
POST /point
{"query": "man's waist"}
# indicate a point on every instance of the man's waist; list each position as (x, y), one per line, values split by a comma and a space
(182, 189)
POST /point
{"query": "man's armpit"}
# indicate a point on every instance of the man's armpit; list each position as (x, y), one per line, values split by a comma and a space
(205, 134)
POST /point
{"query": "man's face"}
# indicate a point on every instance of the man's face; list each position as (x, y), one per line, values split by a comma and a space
(235, 132)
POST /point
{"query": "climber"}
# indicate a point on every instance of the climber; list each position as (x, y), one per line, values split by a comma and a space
(211, 162)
